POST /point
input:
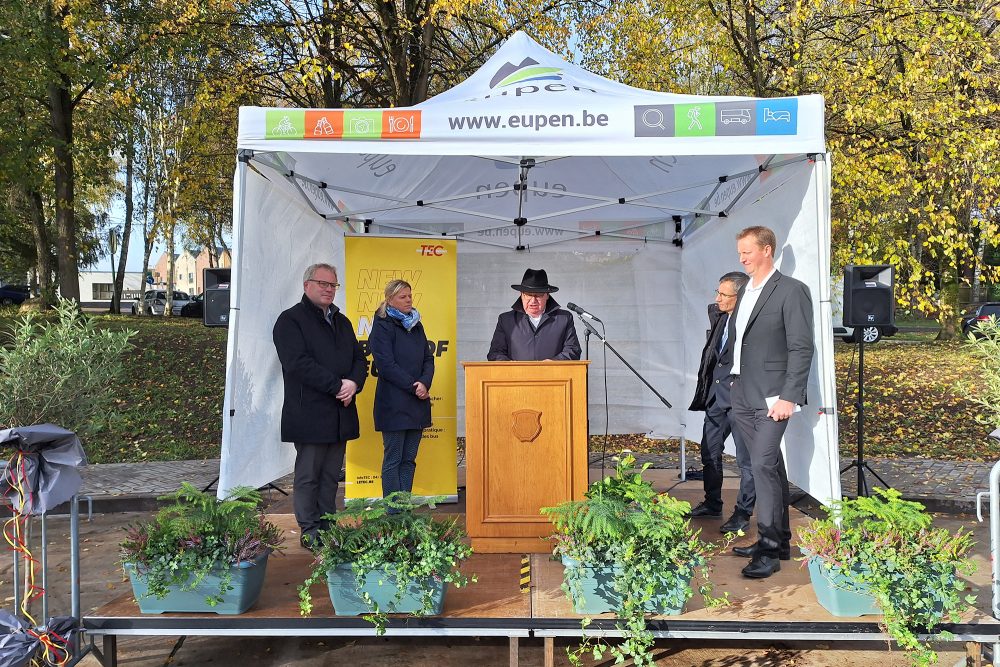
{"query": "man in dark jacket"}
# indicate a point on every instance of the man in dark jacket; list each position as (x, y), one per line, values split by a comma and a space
(323, 367)
(535, 328)
(712, 396)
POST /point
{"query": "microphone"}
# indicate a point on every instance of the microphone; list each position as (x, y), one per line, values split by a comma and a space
(582, 313)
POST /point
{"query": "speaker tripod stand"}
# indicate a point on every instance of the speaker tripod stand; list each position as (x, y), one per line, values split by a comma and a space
(859, 462)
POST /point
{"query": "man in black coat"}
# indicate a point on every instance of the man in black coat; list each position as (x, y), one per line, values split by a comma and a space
(323, 367)
(712, 396)
(535, 328)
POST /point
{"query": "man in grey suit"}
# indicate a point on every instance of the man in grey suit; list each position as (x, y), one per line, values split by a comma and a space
(771, 349)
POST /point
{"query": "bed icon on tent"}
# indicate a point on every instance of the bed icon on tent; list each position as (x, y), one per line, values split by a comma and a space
(781, 115)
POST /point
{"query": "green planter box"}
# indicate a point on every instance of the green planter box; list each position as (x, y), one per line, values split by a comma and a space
(839, 593)
(347, 601)
(247, 582)
(599, 595)
(842, 595)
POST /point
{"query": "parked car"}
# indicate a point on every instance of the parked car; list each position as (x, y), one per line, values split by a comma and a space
(155, 301)
(978, 312)
(14, 294)
(869, 334)
(195, 307)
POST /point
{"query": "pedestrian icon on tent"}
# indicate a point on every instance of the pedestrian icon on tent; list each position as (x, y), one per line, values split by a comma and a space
(694, 119)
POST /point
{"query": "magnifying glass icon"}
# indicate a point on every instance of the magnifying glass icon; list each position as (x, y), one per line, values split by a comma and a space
(653, 118)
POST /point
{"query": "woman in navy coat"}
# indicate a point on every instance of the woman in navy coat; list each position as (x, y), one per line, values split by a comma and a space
(405, 368)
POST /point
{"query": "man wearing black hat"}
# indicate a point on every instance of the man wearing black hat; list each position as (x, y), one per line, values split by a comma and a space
(535, 328)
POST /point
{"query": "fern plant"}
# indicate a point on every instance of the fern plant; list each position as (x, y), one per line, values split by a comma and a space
(647, 542)
(888, 546)
(196, 535)
(390, 536)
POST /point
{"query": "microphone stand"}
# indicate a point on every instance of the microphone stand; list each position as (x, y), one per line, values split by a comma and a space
(604, 341)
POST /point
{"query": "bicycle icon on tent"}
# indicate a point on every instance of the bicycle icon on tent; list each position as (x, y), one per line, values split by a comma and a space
(284, 127)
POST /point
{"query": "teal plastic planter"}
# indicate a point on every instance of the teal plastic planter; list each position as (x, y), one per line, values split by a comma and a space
(347, 601)
(839, 593)
(247, 582)
(599, 595)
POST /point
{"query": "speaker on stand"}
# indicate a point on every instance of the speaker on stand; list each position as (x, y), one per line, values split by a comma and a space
(868, 301)
(215, 309)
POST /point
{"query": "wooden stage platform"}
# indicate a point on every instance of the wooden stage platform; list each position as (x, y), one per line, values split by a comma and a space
(782, 607)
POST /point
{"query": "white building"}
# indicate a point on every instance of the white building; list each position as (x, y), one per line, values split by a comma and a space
(96, 288)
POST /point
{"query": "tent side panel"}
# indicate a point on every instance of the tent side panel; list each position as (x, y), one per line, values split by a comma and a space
(277, 239)
(794, 203)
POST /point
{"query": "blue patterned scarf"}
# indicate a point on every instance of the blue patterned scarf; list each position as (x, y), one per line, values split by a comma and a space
(408, 320)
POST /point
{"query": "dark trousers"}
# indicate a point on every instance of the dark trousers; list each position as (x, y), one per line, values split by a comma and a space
(714, 432)
(762, 436)
(399, 460)
(317, 474)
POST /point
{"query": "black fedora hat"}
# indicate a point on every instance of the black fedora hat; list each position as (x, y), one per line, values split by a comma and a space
(535, 281)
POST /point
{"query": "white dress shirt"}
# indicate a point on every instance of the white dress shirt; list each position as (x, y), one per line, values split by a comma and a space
(744, 308)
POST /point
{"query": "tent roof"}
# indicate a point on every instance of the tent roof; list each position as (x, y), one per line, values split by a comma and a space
(528, 101)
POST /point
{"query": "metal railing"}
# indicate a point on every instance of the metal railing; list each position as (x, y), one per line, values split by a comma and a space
(994, 493)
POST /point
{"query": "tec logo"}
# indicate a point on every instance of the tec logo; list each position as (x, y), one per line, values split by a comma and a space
(431, 250)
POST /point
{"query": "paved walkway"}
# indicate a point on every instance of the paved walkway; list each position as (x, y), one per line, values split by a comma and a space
(943, 486)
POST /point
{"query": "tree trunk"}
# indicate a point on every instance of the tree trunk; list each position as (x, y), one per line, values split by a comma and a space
(43, 249)
(171, 244)
(61, 111)
(119, 278)
(61, 118)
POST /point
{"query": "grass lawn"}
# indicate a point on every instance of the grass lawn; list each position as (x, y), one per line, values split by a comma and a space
(170, 405)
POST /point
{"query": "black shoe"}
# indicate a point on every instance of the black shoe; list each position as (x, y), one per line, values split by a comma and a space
(750, 550)
(703, 510)
(309, 542)
(737, 522)
(761, 567)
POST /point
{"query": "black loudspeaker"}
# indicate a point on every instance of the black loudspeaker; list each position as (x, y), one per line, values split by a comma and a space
(215, 311)
(869, 296)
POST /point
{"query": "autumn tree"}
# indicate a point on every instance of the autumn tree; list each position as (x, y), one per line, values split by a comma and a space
(378, 53)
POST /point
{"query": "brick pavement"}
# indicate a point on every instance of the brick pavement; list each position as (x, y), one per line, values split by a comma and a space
(943, 486)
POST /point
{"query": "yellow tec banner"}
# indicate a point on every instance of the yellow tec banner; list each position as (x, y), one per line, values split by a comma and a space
(430, 265)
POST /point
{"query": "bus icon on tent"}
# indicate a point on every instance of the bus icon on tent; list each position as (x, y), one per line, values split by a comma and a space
(738, 116)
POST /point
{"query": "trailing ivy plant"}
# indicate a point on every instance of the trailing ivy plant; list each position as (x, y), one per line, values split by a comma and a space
(646, 539)
(389, 535)
(887, 545)
(197, 535)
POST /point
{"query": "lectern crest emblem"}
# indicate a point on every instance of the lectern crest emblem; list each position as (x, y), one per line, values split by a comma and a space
(527, 424)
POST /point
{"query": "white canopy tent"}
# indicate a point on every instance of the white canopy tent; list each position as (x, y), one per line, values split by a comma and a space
(630, 199)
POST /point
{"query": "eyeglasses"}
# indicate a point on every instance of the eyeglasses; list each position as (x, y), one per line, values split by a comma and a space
(537, 297)
(325, 285)
(728, 296)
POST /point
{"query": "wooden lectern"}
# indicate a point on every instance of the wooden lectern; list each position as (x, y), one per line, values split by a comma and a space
(525, 448)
